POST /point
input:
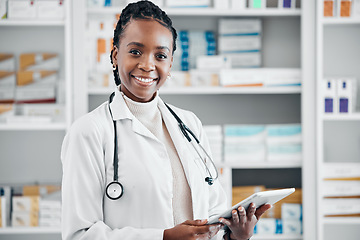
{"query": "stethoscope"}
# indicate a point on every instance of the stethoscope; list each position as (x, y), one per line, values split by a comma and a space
(114, 190)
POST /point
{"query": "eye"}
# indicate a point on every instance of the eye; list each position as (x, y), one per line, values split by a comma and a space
(135, 52)
(161, 56)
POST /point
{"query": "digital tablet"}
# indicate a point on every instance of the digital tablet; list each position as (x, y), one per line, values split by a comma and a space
(259, 198)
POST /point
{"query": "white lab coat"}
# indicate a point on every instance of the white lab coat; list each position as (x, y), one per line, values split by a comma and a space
(145, 209)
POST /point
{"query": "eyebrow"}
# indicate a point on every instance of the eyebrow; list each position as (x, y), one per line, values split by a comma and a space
(142, 45)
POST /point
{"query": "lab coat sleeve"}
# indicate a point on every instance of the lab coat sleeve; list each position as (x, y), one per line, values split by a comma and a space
(83, 187)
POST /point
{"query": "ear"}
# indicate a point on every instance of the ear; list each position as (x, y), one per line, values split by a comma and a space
(114, 55)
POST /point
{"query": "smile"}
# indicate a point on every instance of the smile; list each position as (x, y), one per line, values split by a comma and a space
(145, 80)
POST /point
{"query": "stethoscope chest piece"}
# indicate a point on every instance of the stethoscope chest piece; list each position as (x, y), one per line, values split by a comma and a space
(114, 190)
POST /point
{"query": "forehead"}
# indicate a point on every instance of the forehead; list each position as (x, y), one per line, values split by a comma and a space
(147, 32)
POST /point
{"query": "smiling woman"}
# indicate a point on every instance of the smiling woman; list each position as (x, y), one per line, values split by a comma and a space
(128, 171)
(143, 58)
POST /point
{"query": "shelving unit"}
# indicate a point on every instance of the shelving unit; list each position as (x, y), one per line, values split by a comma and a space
(337, 56)
(30, 152)
(285, 32)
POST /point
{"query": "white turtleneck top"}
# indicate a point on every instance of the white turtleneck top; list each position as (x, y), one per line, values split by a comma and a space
(150, 116)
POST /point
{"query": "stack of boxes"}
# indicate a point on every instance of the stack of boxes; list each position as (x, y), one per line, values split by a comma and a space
(341, 190)
(215, 136)
(341, 8)
(32, 10)
(240, 41)
(33, 86)
(339, 95)
(33, 208)
(260, 143)
(7, 85)
(285, 217)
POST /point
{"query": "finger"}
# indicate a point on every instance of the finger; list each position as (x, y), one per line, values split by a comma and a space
(235, 216)
(225, 221)
(242, 215)
(262, 209)
(198, 222)
(251, 211)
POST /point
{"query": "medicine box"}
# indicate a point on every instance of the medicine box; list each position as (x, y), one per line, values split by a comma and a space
(340, 206)
(39, 61)
(188, 3)
(330, 7)
(204, 78)
(283, 133)
(214, 62)
(291, 211)
(341, 170)
(7, 94)
(340, 188)
(284, 152)
(346, 95)
(329, 95)
(7, 62)
(239, 44)
(291, 227)
(22, 9)
(223, 4)
(178, 79)
(35, 94)
(239, 27)
(25, 203)
(244, 60)
(39, 190)
(57, 114)
(7, 79)
(24, 218)
(51, 9)
(268, 226)
(241, 78)
(33, 78)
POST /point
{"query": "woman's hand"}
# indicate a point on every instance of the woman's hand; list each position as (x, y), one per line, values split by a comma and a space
(242, 223)
(192, 230)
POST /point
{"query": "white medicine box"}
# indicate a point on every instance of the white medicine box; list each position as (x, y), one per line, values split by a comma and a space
(50, 9)
(329, 96)
(21, 9)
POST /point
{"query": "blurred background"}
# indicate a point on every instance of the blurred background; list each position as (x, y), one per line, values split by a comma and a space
(274, 82)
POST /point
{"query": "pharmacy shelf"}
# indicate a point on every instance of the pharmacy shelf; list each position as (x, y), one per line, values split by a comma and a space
(33, 23)
(340, 21)
(209, 12)
(341, 220)
(30, 230)
(342, 117)
(212, 90)
(32, 126)
(276, 237)
(262, 165)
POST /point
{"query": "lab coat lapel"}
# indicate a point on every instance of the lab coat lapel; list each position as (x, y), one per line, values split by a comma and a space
(120, 111)
(179, 141)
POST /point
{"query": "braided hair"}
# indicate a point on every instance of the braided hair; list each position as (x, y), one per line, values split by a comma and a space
(140, 10)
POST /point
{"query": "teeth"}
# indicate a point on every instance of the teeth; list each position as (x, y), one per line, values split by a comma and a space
(145, 80)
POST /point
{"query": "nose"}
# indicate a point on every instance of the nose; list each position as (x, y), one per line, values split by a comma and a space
(147, 63)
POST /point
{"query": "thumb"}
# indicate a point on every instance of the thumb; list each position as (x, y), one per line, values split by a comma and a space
(197, 222)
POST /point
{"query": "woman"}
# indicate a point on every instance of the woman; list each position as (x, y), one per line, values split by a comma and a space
(162, 178)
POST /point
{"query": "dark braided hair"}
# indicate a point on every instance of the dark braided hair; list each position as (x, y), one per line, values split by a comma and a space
(140, 10)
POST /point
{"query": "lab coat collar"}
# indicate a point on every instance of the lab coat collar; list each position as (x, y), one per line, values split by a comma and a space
(120, 111)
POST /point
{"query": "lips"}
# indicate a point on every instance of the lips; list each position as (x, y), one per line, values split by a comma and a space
(144, 80)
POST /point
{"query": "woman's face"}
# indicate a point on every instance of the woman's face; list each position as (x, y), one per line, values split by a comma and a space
(144, 58)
